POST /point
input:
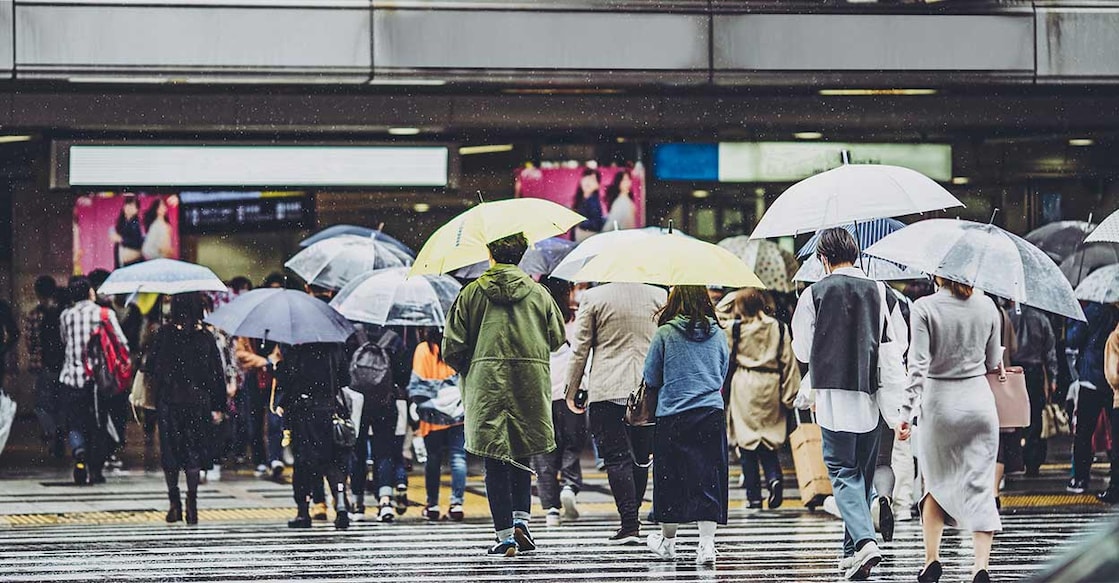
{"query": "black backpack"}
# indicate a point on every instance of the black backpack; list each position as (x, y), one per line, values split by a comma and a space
(371, 370)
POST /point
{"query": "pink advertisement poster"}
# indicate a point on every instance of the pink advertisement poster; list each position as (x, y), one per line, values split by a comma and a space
(620, 194)
(116, 229)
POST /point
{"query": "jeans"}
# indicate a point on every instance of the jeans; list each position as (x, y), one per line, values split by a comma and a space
(1036, 448)
(382, 422)
(627, 452)
(509, 492)
(851, 458)
(770, 465)
(1089, 406)
(449, 443)
(86, 416)
(561, 468)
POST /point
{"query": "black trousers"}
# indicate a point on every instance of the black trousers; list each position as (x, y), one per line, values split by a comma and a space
(509, 492)
(560, 468)
(627, 452)
(1036, 448)
(751, 459)
(1088, 409)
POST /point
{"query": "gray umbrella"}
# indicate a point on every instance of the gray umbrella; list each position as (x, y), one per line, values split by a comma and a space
(1060, 239)
(1088, 259)
(281, 315)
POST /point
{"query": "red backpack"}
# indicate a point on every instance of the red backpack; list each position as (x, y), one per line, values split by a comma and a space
(107, 363)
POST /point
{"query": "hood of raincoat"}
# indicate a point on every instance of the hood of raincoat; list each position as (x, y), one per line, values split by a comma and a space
(506, 284)
(697, 333)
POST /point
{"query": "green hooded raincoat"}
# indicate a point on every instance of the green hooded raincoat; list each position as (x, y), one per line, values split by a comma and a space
(500, 334)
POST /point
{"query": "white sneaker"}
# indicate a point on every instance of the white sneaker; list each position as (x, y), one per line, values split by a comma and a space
(261, 470)
(705, 553)
(845, 563)
(664, 548)
(570, 509)
(863, 561)
(831, 507)
(552, 519)
(214, 475)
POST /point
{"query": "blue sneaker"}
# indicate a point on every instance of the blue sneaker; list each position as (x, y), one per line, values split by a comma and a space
(507, 547)
(525, 542)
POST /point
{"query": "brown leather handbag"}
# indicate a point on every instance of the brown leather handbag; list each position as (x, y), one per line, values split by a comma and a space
(641, 407)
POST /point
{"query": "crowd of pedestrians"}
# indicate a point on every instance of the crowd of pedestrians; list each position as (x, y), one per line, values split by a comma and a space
(522, 373)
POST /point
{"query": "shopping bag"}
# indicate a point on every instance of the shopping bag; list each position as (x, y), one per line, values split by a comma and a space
(807, 442)
(1054, 421)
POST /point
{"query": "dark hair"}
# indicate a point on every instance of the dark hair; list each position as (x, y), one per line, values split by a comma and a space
(579, 196)
(98, 277)
(152, 213)
(615, 189)
(561, 293)
(273, 279)
(508, 250)
(128, 199)
(749, 302)
(319, 292)
(837, 245)
(433, 337)
(186, 309)
(45, 287)
(78, 288)
(241, 283)
(690, 301)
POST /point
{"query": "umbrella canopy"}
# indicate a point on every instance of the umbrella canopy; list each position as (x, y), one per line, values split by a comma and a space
(1060, 239)
(983, 256)
(161, 276)
(874, 268)
(772, 264)
(541, 259)
(338, 230)
(669, 260)
(1102, 286)
(850, 194)
(333, 262)
(594, 245)
(389, 298)
(1107, 231)
(1088, 259)
(462, 241)
(866, 234)
(281, 315)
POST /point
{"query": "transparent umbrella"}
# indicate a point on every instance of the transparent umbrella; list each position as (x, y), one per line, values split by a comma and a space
(772, 264)
(1102, 286)
(983, 256)
(540, 259)
(1107, 231)
(339, 230)
(388, 297)
(333, 262)
(874, 268)
(161, 276)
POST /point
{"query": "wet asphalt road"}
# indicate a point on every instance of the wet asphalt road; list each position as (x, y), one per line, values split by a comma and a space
(781, 546)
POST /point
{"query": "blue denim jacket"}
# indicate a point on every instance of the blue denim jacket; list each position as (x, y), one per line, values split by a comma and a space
(689, 369)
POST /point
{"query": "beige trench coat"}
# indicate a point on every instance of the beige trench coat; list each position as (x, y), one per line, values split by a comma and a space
(760, 395)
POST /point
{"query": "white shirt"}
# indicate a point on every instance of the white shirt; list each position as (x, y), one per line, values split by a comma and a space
(837, 410)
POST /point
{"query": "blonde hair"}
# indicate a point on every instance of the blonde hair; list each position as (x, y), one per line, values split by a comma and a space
(959, 290)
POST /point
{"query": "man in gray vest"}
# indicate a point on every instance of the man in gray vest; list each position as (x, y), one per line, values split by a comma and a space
(837, 328)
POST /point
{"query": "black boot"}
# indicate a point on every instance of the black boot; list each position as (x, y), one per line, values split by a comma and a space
(1111, 494)
(192, 508)
(175, 512)
(302, 517)
(342, 509)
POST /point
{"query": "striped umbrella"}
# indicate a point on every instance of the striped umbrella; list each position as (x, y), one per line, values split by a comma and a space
(866, 233)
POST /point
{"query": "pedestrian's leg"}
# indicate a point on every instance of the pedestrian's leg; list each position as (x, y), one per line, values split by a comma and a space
(867, 454)
(255, 420)
(1035, 448)
(275, 443)
(771, 464)
(850, 486)
(1087, 416)
(436, 442)
(641, 444)
(932, 522)
(174, 497)
(336, 477)
(383, 423)
(750, 479)
(884, 479)
(609, 431)
(456, 445)
(358, 471)
(301, 492)
(574, 437)
(500, 497)
(520, 484)
(902, 463)
(193, 478)
(547, 482)
(983, 542)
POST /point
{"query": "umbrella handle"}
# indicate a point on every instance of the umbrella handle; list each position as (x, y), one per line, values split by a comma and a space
(272, 399)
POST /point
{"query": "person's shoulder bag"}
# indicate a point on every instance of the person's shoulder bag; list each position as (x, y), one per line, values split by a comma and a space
(1008, 384)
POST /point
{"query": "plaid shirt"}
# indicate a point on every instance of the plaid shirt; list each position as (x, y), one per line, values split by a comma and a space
(78, 324)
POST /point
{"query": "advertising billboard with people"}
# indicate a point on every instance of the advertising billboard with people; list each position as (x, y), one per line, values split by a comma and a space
(117, 229)
(611, 197)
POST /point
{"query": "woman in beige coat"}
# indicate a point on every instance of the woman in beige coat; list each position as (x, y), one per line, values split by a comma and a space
(764, 386)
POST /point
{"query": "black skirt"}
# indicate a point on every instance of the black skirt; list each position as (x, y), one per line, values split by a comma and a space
(690, 471)
(185, 437)
(312, 438)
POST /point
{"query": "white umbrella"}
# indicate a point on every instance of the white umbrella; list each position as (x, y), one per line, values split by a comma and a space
(1102, 286)
(388, 297)
(333, 262)
(1107, 231)
(874, 268)
(850, 194)
(7, 417)
(596, 244)
(983, 256)
(161, 276)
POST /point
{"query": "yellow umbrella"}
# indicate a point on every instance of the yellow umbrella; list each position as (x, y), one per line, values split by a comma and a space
(462, 241)
(670, 261)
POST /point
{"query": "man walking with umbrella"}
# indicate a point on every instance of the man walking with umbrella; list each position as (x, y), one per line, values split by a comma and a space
(500, 335)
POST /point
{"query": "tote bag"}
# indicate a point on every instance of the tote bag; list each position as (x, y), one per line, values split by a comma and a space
(1011, 398)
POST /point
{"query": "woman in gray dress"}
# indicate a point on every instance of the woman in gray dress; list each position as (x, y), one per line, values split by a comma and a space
(956, 339)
